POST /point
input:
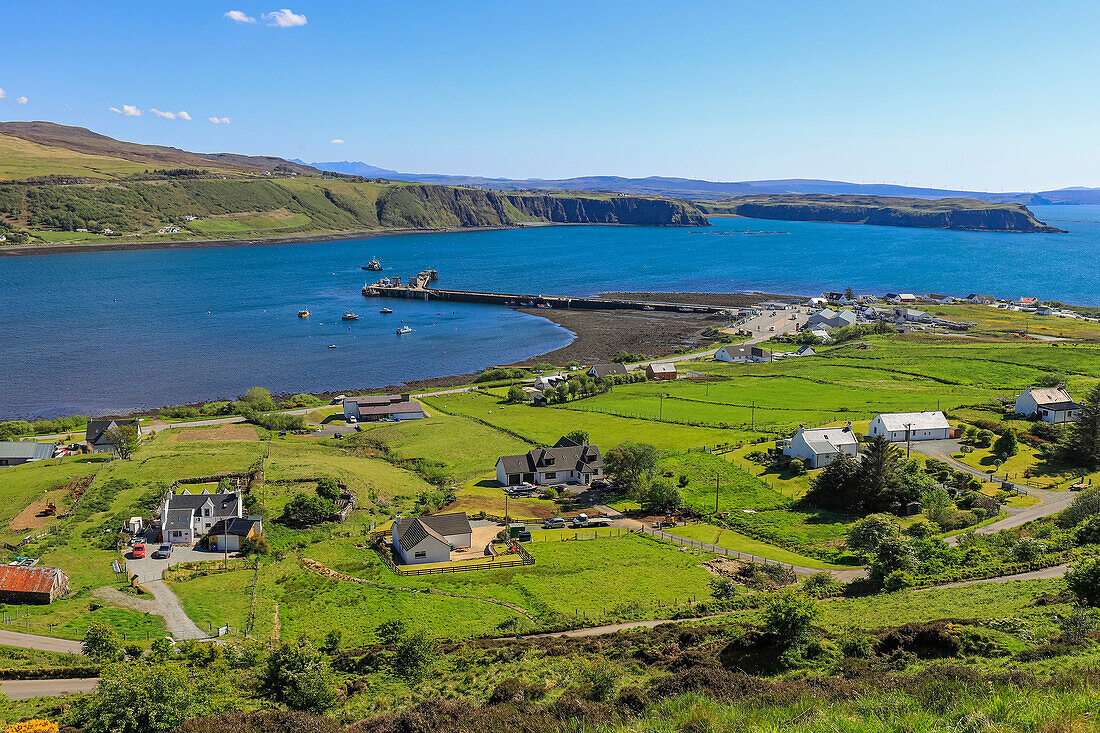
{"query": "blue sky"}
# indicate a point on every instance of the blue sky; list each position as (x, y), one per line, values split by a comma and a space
(979, 95)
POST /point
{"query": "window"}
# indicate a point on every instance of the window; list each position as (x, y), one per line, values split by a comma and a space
(421, 553)
(206, 512)
(552, 474)
(3, 462)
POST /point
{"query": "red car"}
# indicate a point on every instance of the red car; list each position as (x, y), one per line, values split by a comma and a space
(138, 551)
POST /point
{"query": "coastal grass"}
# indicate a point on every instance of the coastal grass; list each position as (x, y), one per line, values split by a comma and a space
(710, 534)
(1005, 322)
(280, 221)
(21, 159)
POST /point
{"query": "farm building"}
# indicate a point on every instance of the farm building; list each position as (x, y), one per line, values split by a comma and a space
(568, 462)
(373, 408)
(817, 447)
(41, 585)
(15, 453)
(1051, 404)
(659, 371)
(898, 427)
(829, 318)
(430, 539)
(96, 435)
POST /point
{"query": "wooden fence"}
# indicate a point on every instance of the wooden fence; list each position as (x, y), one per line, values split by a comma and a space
(524, 558)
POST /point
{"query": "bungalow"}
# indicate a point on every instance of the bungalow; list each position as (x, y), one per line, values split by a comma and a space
(603, 371)
(941, 299)
(1051, 404)
(430, 539)
(96, 434)
(834, 297)
(1044, 310)
(1026, 302)
(898, 298)
(981, 299)
(40, 585)
(806, 350)
(911, 315)
(661, 370)
(567, 462)
(741, 354)
(548, 381)
(185, 517)
(227, 534)
(15, 453)
(817, 447)
(898, 427)
(372, 408)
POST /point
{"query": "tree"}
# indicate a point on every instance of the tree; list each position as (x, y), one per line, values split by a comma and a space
(562, 392)
(790, 615)
(937, 505)
(895, 553)
(578, 436)
(298, 675)
(984, 438)
(878, 472)
(124, 439)
(1088, 532)
(327, 488)
(147, 699)
(661, 496)
(1084, 581)
(414, 656)
(1084, 505)
(258, 398)
(1083, 444)
(628, 462)
(516, 395)
(101, 643)
(1006, 446)
(1050, 379)
(797, 467)
(306, 509)
(868, 533)
(835, 487)
(849, 294)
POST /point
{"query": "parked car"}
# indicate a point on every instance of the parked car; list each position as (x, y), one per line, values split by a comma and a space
(351, 419)
(597, 484)
(163, 552)
(555, 523)
(138, 551)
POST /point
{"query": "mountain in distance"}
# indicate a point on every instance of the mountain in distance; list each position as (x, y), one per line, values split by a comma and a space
(692, 188)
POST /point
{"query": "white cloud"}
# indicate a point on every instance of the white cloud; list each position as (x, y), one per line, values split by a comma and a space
(181, 115)
(284, 18)
(336, 141)
(240, 17)
(3, 94)
(128, 110)
(20, 100)
(219, 120)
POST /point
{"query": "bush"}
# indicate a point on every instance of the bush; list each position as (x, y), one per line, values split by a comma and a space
(258, 398)
(327, 488)
(1028, 549)
(797, 467)
(306, 509)
(897, 581)
(723, 589)
(1084, 505)
(101, 643)
(1084, 581)
(822, 585)
(790, 615)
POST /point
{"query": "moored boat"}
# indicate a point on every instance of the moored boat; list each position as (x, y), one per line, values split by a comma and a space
(349, 316)
(404, 329)
(374, 265)
(303, 314)
(385, 310)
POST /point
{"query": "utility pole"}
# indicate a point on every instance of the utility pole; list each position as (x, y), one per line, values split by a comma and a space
(716, 478)
(752, 418)
(908, 438)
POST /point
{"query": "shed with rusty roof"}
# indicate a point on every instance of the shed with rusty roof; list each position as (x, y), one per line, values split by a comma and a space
(40, 585)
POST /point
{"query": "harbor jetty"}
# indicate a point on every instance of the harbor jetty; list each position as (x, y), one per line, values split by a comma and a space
(420, 287)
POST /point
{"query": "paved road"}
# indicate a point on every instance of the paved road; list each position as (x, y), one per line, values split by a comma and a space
(1050, 502)
(34, 641)
(26, 689)
(1046, 573)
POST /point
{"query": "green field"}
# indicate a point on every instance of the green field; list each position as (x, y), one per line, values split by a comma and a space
(278, 222)
(731, 540)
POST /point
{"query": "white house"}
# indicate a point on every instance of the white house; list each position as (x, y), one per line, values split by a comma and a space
(805, 350)
(96, 434)
(430, 539)
(817, 447)
(740, 354)
(373, 408)
(898, 298)
(603, 371)
(548, 381)
(1052, 404)
(567, 462)
(185, 517)
(941, 299)
(899, 427)
(981, 299)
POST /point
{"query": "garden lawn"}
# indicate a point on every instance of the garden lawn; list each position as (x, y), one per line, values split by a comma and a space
(737, 488)
(731, 540)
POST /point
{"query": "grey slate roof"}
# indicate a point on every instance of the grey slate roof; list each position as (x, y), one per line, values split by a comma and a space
(225, 505)
(566, 454)
(96, 428)
(412, 530)
(179, 519)
(236, 525)
(26, 451)
(600, 371)
(1060, 406)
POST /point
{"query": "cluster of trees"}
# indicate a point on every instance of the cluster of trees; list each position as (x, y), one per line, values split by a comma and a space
(15, 429)
(633, 466)
(576, 387)
(500, 374)
(313, 508)
(882, 481)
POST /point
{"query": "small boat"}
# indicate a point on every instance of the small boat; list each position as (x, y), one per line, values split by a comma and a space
(509, 302)
(349, 316)
(385, 310)
(647, 307)
(333, 346)
(303, 314)
(528, 303)
(544, 305)
(374, 265)
(404, 329)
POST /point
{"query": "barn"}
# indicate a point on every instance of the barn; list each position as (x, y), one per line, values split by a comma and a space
(41, 585)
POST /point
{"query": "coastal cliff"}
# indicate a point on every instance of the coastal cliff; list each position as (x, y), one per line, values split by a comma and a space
(959, 214)
(614, 209)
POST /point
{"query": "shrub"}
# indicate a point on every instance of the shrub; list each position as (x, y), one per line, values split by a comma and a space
(797, 467)
(790, 615)
(1084, 505)
(306, 509)
(723, 589)
(897, 581)
(32, 726)
(101, 643)
(822, 585)
(327, 488)
(868, 533)
(258, 398)
(1029, 549)
(1084, 581)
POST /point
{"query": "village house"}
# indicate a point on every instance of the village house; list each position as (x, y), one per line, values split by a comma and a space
(1049, 404)
(829, 318)
(912, 316)
(567, 462)
(899, 298)
(938, 298)
(1026, 302)
(603, 371)
(548, 381)
(806, 350)
(185, 517)
(16, 453)
(227, 534)
(899, 427)
(373, 408)
(981, 299)
(38, 584)
(659, 371)
(430, 539)
(817, 447)
(96, 434)
(741, 354)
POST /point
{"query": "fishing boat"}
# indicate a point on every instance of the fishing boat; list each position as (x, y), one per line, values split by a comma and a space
(374, 265)
(303, 314)
(544, 305)
(349, 316)
(333, 346)
(404, 329)
(647, 307)
(385, 310)
(372, 294)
